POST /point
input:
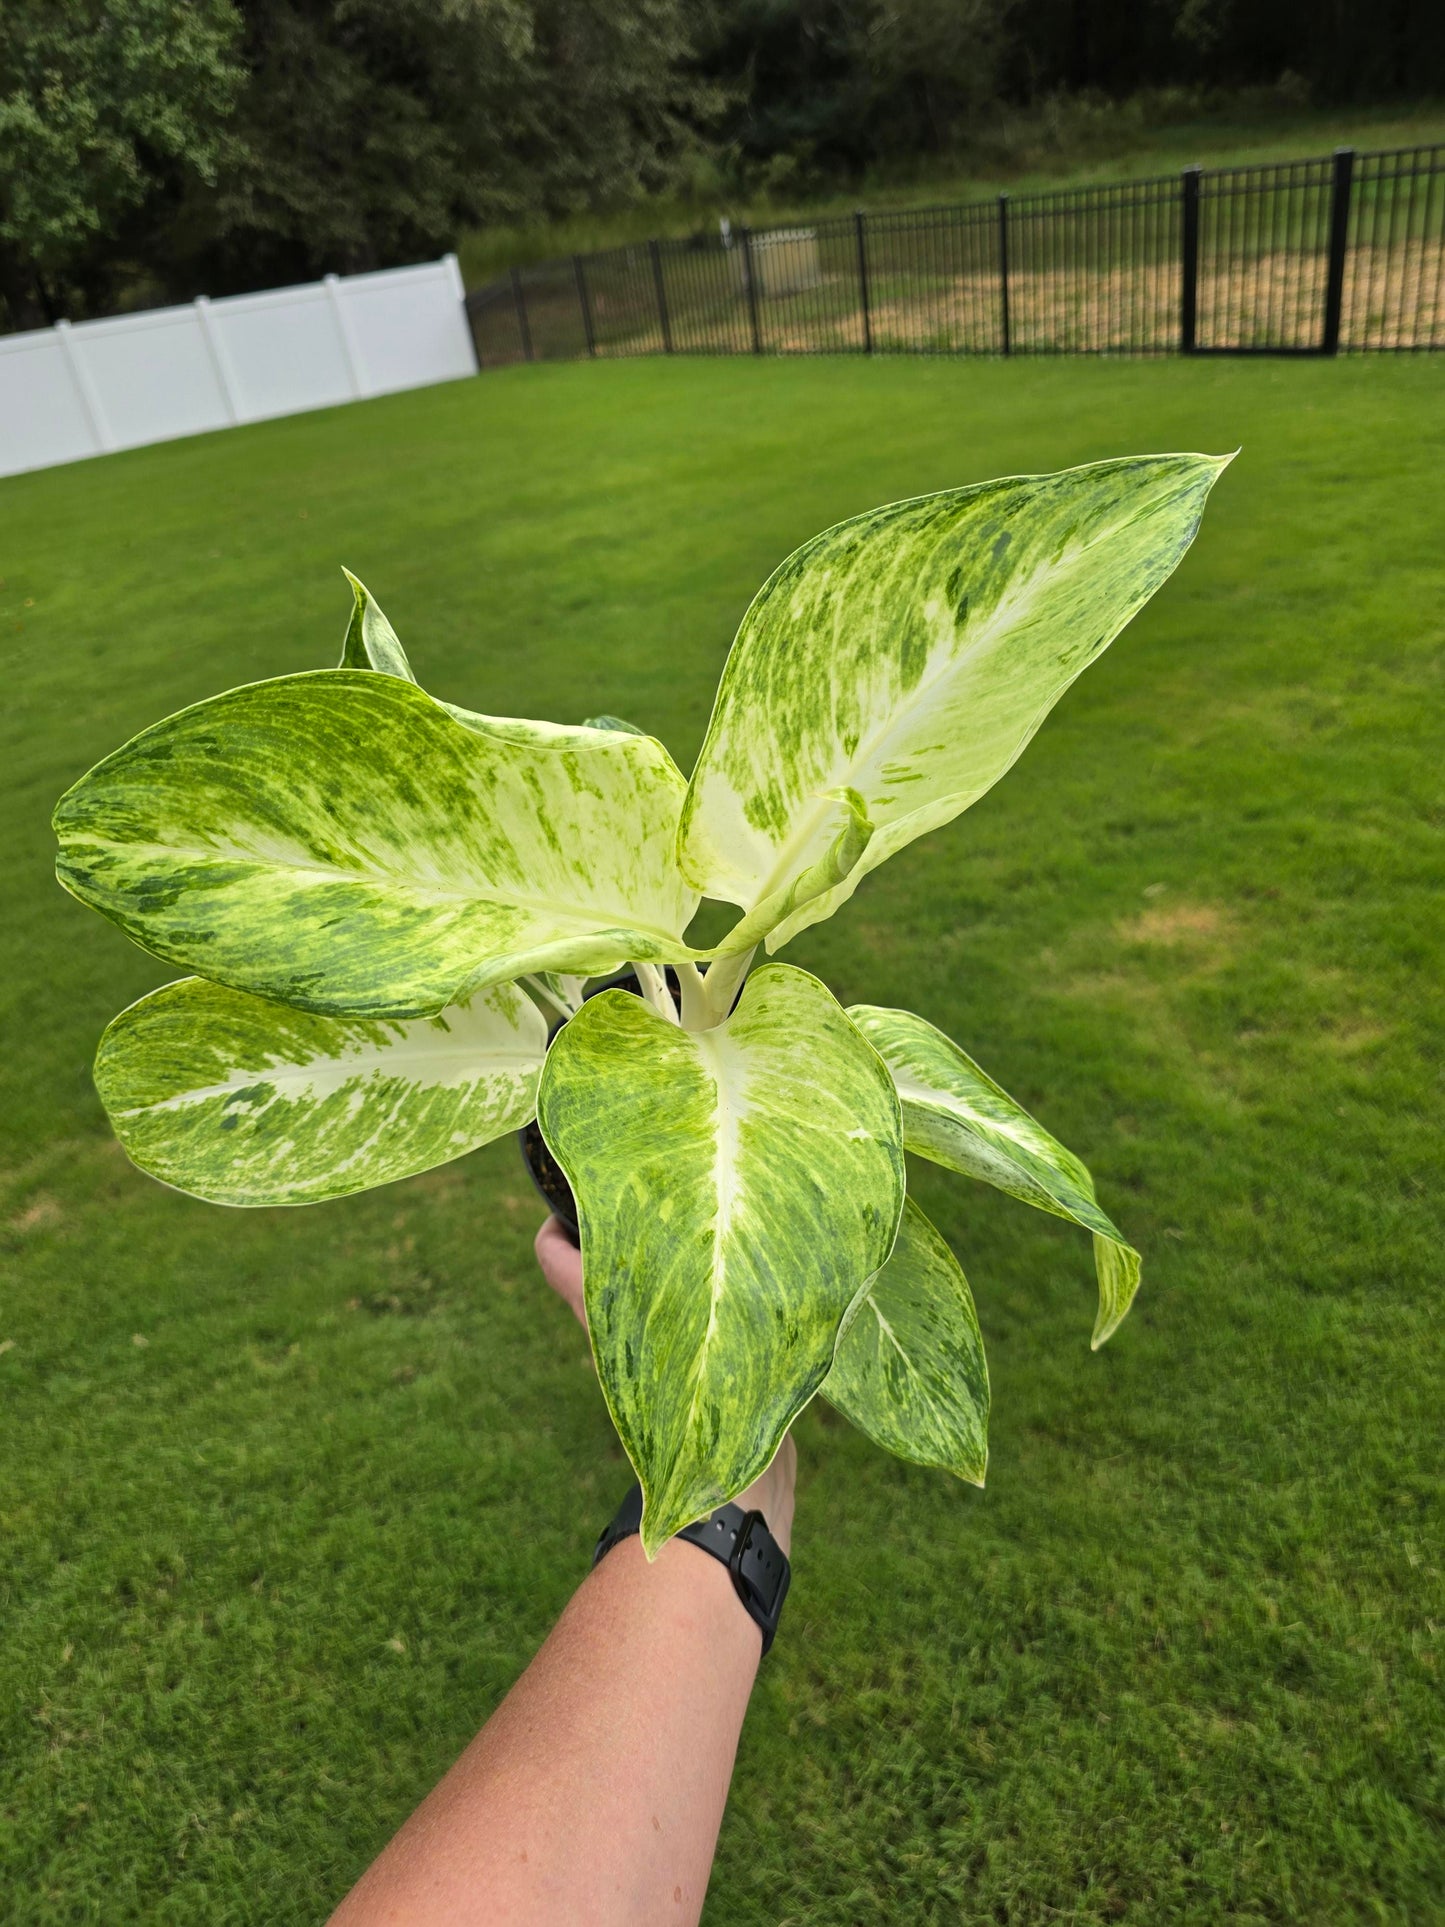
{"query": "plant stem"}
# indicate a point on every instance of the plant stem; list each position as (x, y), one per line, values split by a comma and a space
(695, 1015)
(723, 981)
(653, 985)
(540, 993)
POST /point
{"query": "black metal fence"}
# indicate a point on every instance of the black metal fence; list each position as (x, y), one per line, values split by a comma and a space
(1317, 257)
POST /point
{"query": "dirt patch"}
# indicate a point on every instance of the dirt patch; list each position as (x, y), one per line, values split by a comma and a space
(1174, 925)
(1350, 1036)
(42, 1213)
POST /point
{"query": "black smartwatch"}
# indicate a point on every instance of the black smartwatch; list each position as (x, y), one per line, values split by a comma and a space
(741, 1540)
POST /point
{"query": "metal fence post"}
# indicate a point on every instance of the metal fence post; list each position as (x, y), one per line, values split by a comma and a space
(1339, 243)
(662, 315)
(584, 304)
(519, 302)
(1003, 272)
(750, 278)
(1189, 260)
(863, 281)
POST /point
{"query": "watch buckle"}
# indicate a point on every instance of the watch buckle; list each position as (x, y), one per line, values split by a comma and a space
(765, 1578)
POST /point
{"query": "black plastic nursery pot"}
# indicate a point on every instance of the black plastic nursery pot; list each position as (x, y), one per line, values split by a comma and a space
(544, 1170)
(548, 1176)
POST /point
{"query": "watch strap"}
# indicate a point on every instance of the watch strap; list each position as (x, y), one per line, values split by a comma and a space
(739, 1539)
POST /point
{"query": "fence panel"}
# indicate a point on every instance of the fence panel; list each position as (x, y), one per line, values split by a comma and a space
(47, 414)
(809, 294)
(133, 379)
(500, 333)
(554, 314)
(934, 281)
(622, 302)
(287, 352)
(1096, 270)
(705, 282)
(1394, 292)
(401, 326)
(1264, 258)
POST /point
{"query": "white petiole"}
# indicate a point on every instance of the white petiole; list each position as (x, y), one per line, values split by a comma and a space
(653, 985)
(695, 1013)
(543, 994)
(722, 983)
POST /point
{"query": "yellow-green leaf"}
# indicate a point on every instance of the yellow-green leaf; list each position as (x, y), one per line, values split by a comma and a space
(910, 1369)
(956, 1115)
(909, 655)
(736, 1190)
(337, 841)
(243, 1101)
(370, 641)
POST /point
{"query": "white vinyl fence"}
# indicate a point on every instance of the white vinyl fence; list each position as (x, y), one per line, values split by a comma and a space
(71, 391)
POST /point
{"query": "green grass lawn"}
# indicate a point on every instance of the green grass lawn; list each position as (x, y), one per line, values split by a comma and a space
(288, 1498)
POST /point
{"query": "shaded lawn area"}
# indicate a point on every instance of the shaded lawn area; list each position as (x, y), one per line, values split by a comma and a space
(288, 1498)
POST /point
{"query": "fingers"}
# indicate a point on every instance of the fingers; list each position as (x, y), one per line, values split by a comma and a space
(561, 1264)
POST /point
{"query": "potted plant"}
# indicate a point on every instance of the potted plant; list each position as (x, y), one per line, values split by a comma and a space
(389, 903)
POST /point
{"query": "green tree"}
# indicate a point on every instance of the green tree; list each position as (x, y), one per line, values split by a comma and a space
(372, 131)
(834, 85)
(931, 66)
(107, 107)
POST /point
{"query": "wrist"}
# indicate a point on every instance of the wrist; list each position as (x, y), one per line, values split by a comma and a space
(734, 1540)
(772, 1494)
(680, 1593)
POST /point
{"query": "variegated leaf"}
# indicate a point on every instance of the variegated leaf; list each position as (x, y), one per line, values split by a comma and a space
(336, 841)
(371, 642)
(736, 1189)
(910, 1369)
(544, 735)
(838, 861)
(909, 655)
(243, 1101)
(956, 1115)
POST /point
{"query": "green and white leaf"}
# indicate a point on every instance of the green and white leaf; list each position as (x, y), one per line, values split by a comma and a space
(954, 1114)
(371, 642)
(243, 1101)
(736, 1190)
(337, 842)
(556, 736)
(909, 655)
(837, 862)
(910, 1369)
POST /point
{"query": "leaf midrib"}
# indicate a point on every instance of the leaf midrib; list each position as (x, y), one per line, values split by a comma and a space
(953, 664)
(1006, 610)
(712, 1050)
(330, 872)
(389, 1064)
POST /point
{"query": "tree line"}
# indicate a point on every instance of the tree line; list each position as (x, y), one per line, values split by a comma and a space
(169, 147)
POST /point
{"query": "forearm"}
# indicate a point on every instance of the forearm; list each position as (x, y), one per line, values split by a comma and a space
(595, 1792)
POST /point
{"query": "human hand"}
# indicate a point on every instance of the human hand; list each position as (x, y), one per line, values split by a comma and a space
(772, 1493)
(561, 1264)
